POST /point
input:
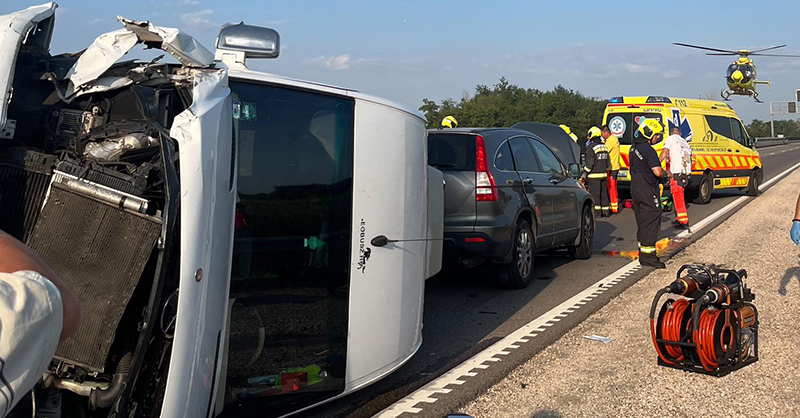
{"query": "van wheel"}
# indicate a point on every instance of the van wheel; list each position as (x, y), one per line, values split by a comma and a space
(704, 189)
(517, 274)
(583, 250)
(755, 181)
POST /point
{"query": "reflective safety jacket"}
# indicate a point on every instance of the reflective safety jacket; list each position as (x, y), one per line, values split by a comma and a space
(597, 164)
(612, 145)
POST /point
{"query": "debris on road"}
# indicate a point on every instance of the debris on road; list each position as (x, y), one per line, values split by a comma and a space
(605, 340)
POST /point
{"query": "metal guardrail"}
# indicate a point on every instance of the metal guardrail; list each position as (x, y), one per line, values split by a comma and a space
(771, 142)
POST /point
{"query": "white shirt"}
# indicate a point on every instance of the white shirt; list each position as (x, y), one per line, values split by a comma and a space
(31, 315)
(680, 155)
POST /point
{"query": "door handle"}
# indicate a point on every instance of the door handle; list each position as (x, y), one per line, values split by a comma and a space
(554, 180)
(527, 181)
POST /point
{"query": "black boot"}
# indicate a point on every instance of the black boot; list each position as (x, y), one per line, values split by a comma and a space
(651, 261)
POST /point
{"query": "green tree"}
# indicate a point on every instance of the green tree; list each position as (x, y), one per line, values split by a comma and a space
(505, 104)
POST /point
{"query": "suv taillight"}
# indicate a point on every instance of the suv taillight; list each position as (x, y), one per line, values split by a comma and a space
(485, 188)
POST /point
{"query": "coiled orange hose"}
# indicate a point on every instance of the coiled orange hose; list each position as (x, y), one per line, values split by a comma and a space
(671, 330)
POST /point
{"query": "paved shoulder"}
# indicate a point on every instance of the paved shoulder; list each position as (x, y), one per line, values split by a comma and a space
(578, 377)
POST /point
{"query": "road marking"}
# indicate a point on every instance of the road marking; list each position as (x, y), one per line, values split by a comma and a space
(472, 366)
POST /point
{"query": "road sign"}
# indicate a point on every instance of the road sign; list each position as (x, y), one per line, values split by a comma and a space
(797, 95)
(782, 108)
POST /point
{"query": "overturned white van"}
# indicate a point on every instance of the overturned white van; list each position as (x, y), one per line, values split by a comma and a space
(242, 244)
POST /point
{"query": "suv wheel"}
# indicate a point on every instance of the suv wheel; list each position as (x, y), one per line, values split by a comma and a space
(583, 250)
(517, 274)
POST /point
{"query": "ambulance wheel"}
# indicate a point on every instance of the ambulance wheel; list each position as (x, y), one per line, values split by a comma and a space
(703, 193)
(755, 181)
(517, 273)
(583, 250)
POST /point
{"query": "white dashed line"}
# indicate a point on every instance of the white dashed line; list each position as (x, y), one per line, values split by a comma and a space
(472, 366)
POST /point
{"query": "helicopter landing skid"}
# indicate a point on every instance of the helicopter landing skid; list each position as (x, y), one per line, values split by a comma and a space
(755, 97)
(726, 95)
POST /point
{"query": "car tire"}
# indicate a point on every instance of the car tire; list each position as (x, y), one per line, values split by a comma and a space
(755, 181)
(583, 250)
(703, 193)
(517, 273)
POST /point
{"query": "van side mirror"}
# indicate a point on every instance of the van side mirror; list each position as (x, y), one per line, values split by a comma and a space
(574, 170)
(753, 141)
(247, 41)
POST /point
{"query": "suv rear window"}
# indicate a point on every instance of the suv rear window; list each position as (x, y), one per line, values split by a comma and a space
(625, 124)
(451, 151)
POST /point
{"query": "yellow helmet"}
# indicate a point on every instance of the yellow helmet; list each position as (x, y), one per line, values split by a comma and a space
(449, 122)
(650, 128)
(566, 129)
(594, 132)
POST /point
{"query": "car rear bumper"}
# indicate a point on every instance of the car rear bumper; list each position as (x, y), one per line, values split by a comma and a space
(484, 243)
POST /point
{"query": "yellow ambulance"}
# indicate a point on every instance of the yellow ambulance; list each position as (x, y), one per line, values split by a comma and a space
(723, 154)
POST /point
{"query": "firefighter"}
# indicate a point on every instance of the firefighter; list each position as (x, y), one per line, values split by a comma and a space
(679, 154)
(646, 174)
(596, 171)
(449, 122)
(612, 145)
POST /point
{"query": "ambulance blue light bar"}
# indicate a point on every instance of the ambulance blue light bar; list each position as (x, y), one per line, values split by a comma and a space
(616, 100)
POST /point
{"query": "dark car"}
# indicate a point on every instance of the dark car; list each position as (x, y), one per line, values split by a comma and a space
(507, 196)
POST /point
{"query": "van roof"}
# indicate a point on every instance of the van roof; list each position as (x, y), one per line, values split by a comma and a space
(248, 74)
(661, 101)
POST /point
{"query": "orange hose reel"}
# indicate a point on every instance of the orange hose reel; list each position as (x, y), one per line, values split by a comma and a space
(712, 327)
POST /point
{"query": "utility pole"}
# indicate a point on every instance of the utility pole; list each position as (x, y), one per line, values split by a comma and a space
(771, 121)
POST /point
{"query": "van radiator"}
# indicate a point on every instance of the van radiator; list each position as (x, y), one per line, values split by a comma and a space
(24, 177)
(100, 251)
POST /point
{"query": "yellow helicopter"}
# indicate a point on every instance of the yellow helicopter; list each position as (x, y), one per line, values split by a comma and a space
(741, 75)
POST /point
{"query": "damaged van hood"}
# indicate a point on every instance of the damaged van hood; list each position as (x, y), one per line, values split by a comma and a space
(14, 31)
(110, 47)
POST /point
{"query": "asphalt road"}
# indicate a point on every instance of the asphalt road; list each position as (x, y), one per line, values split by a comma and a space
(467, 312)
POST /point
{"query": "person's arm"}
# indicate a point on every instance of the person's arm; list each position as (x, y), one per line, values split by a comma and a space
(664, 154)
(655, 165)
(589, 163)
(17, 257)
(794, 233)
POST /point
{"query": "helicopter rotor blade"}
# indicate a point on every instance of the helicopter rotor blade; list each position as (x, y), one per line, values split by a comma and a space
(777, 55)
(706, 48)
(766, 49)
(726, 54)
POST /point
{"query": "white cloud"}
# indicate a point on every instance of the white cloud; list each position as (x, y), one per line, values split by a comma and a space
(182, 3)
(342, 62)
(95, 21)
(638, 68)
(199, 19)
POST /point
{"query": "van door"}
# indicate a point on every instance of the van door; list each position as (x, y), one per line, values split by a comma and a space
(538, 190)
(720, 135)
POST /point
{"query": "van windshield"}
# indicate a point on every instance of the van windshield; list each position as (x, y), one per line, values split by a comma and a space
(625, 124)
(287, 335)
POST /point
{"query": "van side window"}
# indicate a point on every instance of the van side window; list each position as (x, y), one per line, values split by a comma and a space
(720, 125)
(739, 134)
(547, 159)
(620, 125)
(504, 161)
(523, 155)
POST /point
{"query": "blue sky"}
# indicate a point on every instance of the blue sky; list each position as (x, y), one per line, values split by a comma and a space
(410, 50)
